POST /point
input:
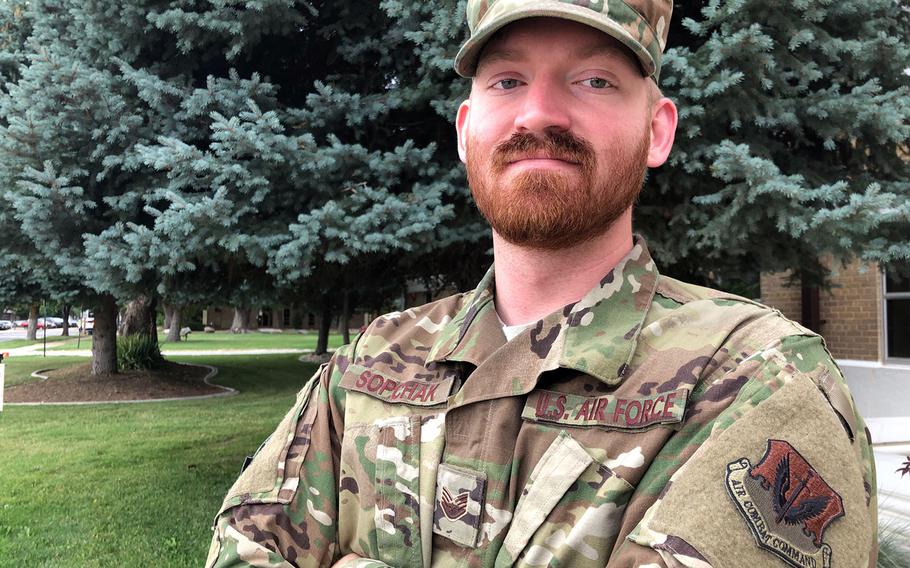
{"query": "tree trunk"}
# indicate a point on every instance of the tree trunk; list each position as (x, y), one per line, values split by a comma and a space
(139, 318)
(428, 292)
(32, 332)
(176, 320)
(168, 317)
(344, 327)
(241, 323)
(104, 343)
(66, 321)
(325, 325)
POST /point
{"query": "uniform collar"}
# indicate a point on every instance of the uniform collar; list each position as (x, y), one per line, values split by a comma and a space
(460, 339)
(596, 335)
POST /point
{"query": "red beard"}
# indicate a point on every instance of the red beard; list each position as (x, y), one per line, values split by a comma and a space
(555, 210)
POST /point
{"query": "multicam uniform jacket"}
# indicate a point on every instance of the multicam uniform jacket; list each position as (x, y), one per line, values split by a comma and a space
(652, 423)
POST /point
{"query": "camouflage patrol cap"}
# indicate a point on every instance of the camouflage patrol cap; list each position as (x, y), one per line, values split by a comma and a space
(640, 25)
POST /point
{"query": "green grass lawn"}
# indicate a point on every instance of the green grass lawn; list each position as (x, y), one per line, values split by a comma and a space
(225, 340)
(132, 484)
(19, 369)
(8, 344)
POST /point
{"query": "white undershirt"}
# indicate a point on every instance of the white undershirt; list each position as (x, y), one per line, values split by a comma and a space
(510, 331)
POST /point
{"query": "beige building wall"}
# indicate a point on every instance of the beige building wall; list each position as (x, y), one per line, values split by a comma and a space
(851, 312)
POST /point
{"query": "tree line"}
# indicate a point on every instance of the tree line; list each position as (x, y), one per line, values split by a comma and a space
(159, 153)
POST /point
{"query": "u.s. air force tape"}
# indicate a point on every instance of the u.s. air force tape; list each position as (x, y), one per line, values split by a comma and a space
(608, 411)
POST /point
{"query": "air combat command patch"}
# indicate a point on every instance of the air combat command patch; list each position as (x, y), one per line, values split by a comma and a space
(786, 504)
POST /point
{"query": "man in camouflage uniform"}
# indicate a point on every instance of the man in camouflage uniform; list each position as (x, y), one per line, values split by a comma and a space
(578, 408)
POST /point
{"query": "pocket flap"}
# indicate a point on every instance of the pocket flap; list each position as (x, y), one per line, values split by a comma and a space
(266, 480)
(558, 468)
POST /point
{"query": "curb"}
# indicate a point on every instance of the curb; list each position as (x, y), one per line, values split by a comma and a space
(37, 374)
(228, 391)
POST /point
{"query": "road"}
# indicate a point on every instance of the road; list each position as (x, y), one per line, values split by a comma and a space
(19, 333)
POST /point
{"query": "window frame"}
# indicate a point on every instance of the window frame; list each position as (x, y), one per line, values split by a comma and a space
(886, 295)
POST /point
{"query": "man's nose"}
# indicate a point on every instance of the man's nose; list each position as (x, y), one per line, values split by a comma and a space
(544, 108)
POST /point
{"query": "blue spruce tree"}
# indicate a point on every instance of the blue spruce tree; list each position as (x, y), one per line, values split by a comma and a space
(793, 138)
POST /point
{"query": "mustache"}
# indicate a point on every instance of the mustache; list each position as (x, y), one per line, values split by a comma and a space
(557, 144)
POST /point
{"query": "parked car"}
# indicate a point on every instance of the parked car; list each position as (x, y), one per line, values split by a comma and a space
(21, 323)
(6, 324)
(55, 322)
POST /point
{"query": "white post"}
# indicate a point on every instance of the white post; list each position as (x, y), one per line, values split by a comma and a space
(2, 370)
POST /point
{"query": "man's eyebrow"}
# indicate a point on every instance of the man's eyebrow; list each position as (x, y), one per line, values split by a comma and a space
(610, 51)
(613, 53)
(494, 55)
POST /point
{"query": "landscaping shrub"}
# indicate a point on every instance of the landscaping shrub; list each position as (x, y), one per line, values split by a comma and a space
(893, 545)
(138, 352)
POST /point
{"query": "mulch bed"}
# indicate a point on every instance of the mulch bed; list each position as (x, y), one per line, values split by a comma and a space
(76, 384)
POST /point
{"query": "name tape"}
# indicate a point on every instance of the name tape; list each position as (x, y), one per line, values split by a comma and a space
(417, 393)
(609, 411)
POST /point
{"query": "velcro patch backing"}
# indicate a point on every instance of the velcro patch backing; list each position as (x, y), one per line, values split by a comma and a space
(700, 509)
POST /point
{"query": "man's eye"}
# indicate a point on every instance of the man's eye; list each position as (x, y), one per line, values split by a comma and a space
(596, 83)
(505, 84)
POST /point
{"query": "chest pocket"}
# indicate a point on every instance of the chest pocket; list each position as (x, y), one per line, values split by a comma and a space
(569, 512)
(389, 454)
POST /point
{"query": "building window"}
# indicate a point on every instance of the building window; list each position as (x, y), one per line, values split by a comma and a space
(897, 316)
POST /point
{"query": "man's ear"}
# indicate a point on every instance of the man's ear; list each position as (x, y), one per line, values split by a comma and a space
(461, 129)
(663, 131)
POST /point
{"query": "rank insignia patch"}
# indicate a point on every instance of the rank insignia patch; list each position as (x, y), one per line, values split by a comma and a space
(459, 503)
(454, 508)
(786, 504)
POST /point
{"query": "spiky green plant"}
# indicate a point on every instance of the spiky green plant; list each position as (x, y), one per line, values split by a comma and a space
(136, 352)
(893, 545)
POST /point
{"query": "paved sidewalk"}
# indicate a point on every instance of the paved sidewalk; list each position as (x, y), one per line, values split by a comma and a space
(38, 349)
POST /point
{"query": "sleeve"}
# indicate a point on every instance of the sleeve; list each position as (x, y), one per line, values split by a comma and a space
(282, 510)
(782, 475)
